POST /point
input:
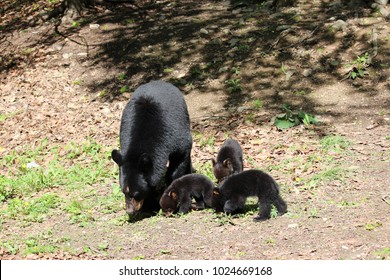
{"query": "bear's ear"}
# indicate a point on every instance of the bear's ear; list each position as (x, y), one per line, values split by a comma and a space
(173, 195)
(117, 157)
(213, 162)
(227, 163)
(144, 163)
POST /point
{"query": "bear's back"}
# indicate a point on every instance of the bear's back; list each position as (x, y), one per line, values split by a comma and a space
(156, 113)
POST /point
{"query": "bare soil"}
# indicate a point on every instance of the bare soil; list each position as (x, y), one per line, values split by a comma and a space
(69, 83)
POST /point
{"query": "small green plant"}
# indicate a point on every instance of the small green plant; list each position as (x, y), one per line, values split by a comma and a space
(384, 254)
(257, 104)
(270, 241)
(121, 76)
(123, 89)
(372, 226)
(236, 70)
(168, 70)
(359, 67)
(103, 247)
(334, 143)
(78, 82)
(34, 246)
(75, 24)
(234, 85)
(290, 118)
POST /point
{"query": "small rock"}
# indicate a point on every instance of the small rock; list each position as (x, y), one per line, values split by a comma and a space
(94, 26)
(307, 72)
(241, 109)
(339, 25)
(32, 164)
(292, 226)
(283, 27)
(106, 111)
(67, 55)
(289, 74)
(204, 31)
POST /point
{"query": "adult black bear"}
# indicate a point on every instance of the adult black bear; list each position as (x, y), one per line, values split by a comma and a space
(232, 193)
(155, 130)
(229, 160)
(180, 193)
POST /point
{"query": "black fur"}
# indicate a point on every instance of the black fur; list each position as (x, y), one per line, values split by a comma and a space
(232, 193)
(229, 160)
(155, 129)
(180, 193)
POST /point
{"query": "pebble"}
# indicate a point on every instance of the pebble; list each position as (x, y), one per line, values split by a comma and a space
(94, 26)
(204, 31)
(307, 72)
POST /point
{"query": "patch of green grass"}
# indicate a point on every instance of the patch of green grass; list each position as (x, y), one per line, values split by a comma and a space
(203, 140)
(372, 226)
(234, 85)
(334, 143)
(34, 210)
(34, 246)
(78, 82)
(270, 241)
(384, 254)
(79, 212)
(205, 169)
(72, 166)
(359, 67)
(123, 89)
(9, 247)
(257, 104)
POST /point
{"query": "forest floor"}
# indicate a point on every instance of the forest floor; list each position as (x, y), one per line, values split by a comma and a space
(63, 87)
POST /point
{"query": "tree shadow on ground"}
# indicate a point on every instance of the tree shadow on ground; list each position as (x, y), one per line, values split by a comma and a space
(249, 50)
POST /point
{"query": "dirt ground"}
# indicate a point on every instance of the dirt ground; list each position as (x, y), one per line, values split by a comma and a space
(70, 82)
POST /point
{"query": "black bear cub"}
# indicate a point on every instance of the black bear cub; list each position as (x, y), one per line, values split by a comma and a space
(180, 193)
(229, 160)
(232, 193)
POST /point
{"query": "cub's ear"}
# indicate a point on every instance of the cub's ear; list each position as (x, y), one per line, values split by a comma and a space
(173, 195)
(117, 157)
(144, 163)
(227, 163)
(213, 162)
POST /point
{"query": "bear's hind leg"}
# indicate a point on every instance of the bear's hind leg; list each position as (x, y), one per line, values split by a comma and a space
(265, 210)
(280, 205)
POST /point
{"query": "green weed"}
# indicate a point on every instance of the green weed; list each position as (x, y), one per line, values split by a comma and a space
(257, 104)
(372, 226)
(359, 67)
(334, 143)
(384, 254)
(234, 85)
(291, 118)
(34, 210)
(33, 246)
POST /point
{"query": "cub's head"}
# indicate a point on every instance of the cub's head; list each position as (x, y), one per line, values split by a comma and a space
(169, 202)
(222, 169)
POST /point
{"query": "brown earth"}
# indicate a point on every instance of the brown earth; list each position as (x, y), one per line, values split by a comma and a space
(64, 83)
